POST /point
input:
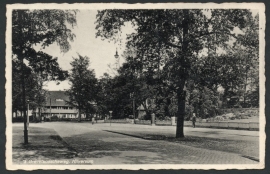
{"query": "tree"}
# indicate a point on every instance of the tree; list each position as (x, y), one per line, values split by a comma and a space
(35, 95)
(182, 34)
(84, 86)
(104, 92)
(31, 86)
(43, 27)
(46, 69)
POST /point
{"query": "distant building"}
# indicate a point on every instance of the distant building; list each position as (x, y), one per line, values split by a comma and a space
(56, 105)
(149, 103)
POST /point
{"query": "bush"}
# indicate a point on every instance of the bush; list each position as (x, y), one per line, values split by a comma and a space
(212, 119)
(54, 118)
(160, 116)
(219, 118)
(66, 119)
(238, 117)
(143, 117)
(230, 116)
(204, 120)
(244, 117)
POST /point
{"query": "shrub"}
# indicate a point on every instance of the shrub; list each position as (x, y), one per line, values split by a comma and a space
(238, 117)
(204, 120)
(54, 118)
(219, 118)
(244, 117)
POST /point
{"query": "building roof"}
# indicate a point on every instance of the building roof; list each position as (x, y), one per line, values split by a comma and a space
(58, 98)
(141, 108)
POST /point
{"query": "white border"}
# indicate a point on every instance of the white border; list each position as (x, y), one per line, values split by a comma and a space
(262, 23)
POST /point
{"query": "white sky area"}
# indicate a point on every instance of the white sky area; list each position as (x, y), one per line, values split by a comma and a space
(100, 52)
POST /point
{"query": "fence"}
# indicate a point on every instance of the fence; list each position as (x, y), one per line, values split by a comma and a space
(145, 122)
(226, 125)
(100, 121)
(118, 121)
(163, 122)
(157, 122)
(220, 125)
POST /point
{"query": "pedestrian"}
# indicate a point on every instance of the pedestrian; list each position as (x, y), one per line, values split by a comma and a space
(193, 119)
(93, 120)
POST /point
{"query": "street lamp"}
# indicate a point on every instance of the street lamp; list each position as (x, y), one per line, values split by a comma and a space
(110, 117)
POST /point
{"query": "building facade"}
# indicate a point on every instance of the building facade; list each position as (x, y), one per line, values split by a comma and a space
(56, 105)
(149, 103)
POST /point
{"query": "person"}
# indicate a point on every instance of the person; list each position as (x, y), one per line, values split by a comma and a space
(193, 119)
(93, 120)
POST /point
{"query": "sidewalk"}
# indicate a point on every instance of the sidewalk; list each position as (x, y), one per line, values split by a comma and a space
(44, 144)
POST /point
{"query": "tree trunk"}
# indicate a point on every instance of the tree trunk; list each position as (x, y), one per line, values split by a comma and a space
(79, 115)
(184, 65)
(34, 115)
(39, 114)
(20, 56)
(23, 103)
(181, 95)
(224, 98)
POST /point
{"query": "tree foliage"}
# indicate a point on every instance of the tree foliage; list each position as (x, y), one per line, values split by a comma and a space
(173, 40)
(84, 86)
(42, 27)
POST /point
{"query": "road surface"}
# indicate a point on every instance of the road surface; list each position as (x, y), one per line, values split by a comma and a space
(129, 144)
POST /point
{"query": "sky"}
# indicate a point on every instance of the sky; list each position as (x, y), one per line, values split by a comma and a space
(101, 52)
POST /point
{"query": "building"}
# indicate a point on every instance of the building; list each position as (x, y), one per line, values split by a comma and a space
(56, 105)
(149, 103)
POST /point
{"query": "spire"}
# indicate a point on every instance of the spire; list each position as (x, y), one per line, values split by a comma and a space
(116, 54)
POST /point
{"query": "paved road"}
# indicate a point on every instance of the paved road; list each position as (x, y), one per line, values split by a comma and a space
(118, 144)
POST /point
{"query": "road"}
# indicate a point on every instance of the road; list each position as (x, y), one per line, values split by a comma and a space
(128, 144)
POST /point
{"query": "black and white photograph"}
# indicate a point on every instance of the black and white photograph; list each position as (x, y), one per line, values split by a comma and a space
(135, 86)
